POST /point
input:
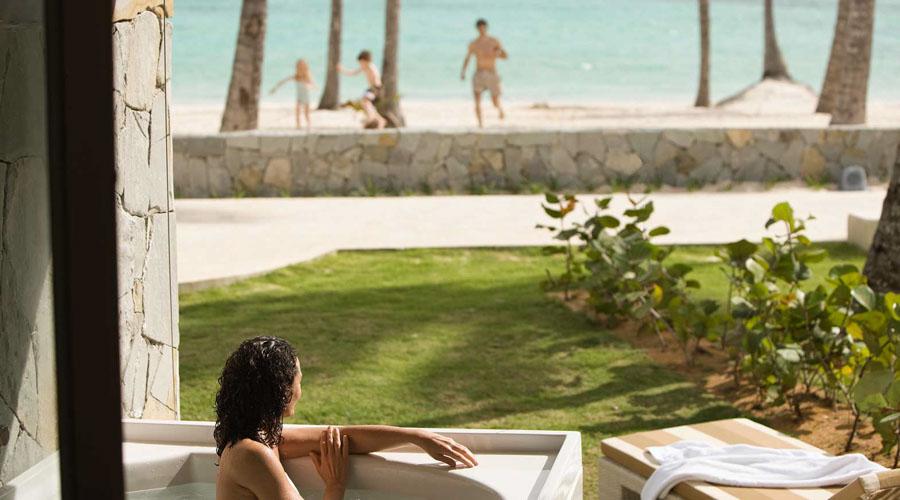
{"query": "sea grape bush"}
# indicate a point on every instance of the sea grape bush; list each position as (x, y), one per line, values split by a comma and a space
(789, 339)
(625, 273)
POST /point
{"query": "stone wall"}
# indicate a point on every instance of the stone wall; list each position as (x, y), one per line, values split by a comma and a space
(148, 287)
(148, 293)
(370, 162)
(28, 423)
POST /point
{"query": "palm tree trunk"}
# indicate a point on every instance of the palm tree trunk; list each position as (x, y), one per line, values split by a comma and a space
(389, 106)
(242, 104)
(331, 92)
(883, 265)
(703, 88)
(853, 84)
(845, 87)
(835, 61)
(773, 61)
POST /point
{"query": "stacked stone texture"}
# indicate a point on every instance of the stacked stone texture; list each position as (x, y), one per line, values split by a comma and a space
(28, 423)
(282, 164)
(148, 296)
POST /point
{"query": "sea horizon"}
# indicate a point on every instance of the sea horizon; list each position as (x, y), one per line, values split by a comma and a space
(573, 51)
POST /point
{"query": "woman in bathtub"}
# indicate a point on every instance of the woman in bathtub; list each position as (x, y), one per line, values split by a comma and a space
(259, 386)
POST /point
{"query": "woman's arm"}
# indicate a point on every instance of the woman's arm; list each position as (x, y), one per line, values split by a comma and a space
(372, 438)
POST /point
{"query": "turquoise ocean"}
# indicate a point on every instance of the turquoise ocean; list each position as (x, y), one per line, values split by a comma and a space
(559, 50)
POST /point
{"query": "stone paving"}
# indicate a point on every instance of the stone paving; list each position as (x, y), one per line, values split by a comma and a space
(220, 241)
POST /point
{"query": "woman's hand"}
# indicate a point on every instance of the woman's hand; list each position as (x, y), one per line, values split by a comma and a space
(445, 449)
(331, 461)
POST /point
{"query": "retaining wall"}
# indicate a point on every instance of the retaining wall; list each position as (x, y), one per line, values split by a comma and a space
(371, 162)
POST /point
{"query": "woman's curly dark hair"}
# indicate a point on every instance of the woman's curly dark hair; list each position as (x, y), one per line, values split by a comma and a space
(254, 389)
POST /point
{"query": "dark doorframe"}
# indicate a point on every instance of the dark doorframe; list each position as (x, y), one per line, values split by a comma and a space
(83, 224)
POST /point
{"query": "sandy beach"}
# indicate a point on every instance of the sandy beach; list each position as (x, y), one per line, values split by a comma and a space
(770, 104)
(198, 119)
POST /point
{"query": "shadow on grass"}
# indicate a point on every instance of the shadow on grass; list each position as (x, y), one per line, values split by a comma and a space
(364, 328)
(645, 408)
(447, 351)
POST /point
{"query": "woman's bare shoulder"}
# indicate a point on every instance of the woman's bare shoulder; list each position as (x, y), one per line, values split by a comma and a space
(248, 451)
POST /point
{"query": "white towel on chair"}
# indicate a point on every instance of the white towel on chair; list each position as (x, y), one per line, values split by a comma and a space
(751, 466)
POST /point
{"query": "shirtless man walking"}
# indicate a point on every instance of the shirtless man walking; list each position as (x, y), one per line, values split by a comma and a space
(486, 50)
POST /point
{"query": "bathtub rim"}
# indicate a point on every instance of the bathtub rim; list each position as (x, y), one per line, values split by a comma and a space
(564, 475)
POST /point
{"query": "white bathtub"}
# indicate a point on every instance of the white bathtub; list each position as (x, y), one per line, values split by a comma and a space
(512, 465)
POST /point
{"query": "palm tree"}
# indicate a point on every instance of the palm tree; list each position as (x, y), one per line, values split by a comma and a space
(883, 265)
(331, 92)
(703, 88)
(846, 85)
(773, 62)
(389, 107)
(835, 61)
(242, 103)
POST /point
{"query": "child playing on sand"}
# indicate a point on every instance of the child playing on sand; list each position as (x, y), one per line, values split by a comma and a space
(373, 118)
(305, 83)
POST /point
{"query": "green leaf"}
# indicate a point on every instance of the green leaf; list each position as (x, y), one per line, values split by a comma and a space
(551, 198)
(892, 304)
(842, 269)
(640, 214)
(607, 221)
(756, 269)
(741, 308)
(739, 251)
(659, 231)
(678, 270)
(890, 418)
(874, 321)
(811, 255)
(566, 234)
(864, 295)
(893, 394)
(855, 331)
(888, 436)
(603, 203)
(556, 214)
(791, 355)
(868, 393)
(709, 306)
(783, 212)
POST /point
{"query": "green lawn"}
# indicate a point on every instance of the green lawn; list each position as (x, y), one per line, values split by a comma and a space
(446, 338)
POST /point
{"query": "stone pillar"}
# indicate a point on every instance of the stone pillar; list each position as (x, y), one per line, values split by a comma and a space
(28, 430)
(148, 288)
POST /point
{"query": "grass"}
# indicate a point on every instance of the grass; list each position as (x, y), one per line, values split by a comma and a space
(446, 338)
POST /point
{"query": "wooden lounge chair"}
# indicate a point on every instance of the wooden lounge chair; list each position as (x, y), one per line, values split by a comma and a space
(625, 467)
(881, 486)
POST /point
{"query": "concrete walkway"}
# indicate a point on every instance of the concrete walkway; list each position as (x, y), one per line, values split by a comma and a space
(223, 240)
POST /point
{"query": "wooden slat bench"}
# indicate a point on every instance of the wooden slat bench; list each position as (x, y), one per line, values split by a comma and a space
(625, 467)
